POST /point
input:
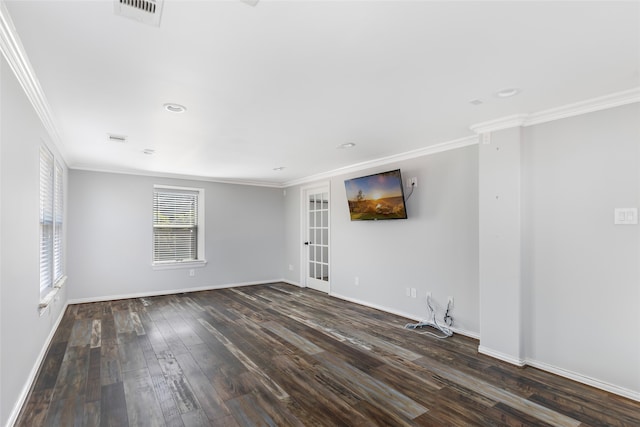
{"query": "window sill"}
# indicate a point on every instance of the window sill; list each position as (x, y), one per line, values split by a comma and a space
(178, 265)
(46, 300)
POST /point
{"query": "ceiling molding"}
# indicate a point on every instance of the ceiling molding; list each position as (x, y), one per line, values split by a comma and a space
(16, 57)
(570, 110)
(178, 176)
(425, 151)
(589, 106)
(499, 124)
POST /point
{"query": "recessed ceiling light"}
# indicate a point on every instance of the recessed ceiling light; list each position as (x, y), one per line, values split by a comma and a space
(506, 93)
(347, 145)
(149, 151)
(174, 108)
(279, 168)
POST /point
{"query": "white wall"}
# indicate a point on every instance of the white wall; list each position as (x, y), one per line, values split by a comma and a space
(581, 272)
(110, 236)
(23, 332)
(435, 249)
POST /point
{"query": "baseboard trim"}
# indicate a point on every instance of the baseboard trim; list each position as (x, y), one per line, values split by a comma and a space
(170, 291)
(501, 356)
(602, 385)
(15, 412)
(400, 313)
(291, 282)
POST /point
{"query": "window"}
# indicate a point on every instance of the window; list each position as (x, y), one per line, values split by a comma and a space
(178, 226)
(51, 221)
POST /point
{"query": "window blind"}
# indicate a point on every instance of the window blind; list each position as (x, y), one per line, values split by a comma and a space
(57, 225)
(46, 218)
(175, 225)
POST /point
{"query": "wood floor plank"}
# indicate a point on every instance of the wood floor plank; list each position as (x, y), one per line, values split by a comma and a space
(369, 388)
(137, 323)
(276, 354)
(35, 410)
(499, 395)
(68, 411)
(81, 333)
(247, 362)
(122, 320)
(108, 327)
(96, 333)
(51, 366)
(73, 373)
(91, 414)
(113, 406)
(164, 394)
(180, 387)
(110, 371)
(93, 384)
(322, 393)
(170, 337)
(207, 396)
(247, 412)
(302, 343)
(130, 352)
(142, 406)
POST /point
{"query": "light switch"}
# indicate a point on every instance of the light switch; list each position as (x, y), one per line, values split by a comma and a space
(625, 216)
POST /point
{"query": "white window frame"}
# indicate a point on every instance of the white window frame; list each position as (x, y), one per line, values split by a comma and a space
(51, 248)
(200, 261)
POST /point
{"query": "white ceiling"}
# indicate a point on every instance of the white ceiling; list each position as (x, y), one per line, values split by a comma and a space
(286, 82)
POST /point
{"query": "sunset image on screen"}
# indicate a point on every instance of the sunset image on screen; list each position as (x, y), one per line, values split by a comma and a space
(378, 196)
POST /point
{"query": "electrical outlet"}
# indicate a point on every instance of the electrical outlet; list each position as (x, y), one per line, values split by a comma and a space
(408, 292)
(357, 281)
(290, 267)
(414, 294)
(192, 273)
(428, 295)
(412, 182)
(450, 302)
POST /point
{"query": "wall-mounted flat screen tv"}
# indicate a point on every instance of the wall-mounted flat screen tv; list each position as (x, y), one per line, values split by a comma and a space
(377, 196)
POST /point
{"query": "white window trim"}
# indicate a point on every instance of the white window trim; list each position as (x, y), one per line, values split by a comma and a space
(48, 293)
(201, 261)
(173, 265)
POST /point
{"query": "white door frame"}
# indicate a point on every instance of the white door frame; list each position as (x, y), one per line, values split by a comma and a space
(304, 250)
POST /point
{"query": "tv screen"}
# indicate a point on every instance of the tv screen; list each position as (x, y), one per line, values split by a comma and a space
(378, 196)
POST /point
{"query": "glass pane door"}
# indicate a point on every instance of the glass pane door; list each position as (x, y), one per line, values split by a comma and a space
(317, 238)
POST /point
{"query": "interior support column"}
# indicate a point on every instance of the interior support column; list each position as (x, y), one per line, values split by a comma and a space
(500, 245)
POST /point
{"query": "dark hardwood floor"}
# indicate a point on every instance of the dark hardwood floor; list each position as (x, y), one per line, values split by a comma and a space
(277, 355)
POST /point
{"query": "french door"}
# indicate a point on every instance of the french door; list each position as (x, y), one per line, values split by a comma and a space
(316, 235)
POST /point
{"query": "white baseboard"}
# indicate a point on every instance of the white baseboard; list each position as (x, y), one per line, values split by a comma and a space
(291, 282)
(169, 292)
(602, 385)
(501, 356)
(15, 412)
(400, 313)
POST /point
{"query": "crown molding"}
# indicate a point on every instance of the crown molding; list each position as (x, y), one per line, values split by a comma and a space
(508, 122)
(16, 57)
(570, 110)
(583, 107)
(425, 151)
(167, 175)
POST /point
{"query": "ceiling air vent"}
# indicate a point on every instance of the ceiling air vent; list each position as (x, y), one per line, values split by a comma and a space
(145, 11)
(116, 138)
